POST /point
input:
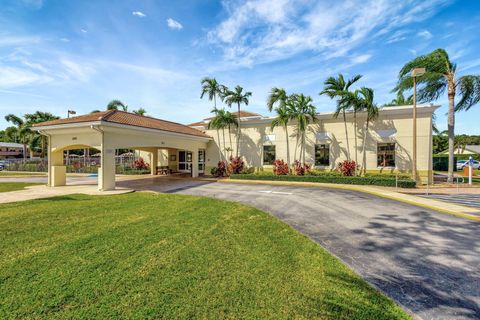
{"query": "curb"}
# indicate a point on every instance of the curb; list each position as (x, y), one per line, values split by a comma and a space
(353, 188)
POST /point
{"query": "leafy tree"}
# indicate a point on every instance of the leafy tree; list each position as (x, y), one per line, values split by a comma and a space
(304, 112)
(140, 112)
(283, 113)
(229, 119)
(117, 105)
(217, 123)
(213, 89)
(238, 97)
(441, 75)
(338, 88)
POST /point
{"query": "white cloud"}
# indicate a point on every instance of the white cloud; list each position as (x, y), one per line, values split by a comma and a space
(83, 30)
(139, 14)
(361, 58)
(64, 39)
(173, 24)
(425, 34)
(76, 71)
(260, 31)
(11, 77)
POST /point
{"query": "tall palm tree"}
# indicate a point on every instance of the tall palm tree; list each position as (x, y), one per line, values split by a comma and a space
(364, 100)
(304, 112)
(338, 88)
(213, 89)
(279, 97)
(217, 124)
(229, 119)
(237, 96)
(441, 75)
(140, 112)
(116, 105)
(400, 100)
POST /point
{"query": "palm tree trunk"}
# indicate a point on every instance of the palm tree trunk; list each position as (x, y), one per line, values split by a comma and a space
(238, 129)
(303, 147)
(355, 132)
(219, 146)
(346, 134)
(224, 144)
(230, 138)
(288, 148)
(451, 129)
(364, 162)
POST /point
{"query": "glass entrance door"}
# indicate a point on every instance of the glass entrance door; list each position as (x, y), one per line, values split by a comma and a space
(201, 161)
(184, 161)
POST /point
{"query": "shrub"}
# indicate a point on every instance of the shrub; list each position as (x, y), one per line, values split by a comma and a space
(139, 164)
(236, 165)
(280, 167)
(300, 169)
(347, 167)
(374, 181)
(316, 172)
(392, 175)
(220, 170)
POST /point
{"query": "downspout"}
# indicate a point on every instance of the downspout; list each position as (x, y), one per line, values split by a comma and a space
(49, 143)
(102, 160)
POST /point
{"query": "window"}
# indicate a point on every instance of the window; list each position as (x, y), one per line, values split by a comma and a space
(386, 154)
(322, 155)
(268, 155)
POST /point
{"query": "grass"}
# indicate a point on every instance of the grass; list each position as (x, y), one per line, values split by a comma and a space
(14, 186)
(19, 173)
(142, 255)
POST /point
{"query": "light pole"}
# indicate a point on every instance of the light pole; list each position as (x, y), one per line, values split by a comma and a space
(415, 73)
(69, 112)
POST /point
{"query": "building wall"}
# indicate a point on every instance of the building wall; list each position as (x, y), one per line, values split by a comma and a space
(393, 126)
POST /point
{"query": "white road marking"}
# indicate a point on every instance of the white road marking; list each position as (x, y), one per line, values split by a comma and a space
(275, 192)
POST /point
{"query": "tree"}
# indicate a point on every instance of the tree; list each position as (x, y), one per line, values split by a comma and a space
(229, 120)
(303, 111)
(237, 96)
(283, 113)
(400, 100)
(364, 100)
(20, 132)
(441, 75)
(140, 112)
(338, 88)
(213, 89)
(116, 105)
(38, 141)
(217, 124)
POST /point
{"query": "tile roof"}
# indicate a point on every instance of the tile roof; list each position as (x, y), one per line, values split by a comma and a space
(127, 118)
(243, 114)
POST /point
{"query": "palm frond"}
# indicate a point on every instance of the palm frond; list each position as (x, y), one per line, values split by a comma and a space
(469, 92)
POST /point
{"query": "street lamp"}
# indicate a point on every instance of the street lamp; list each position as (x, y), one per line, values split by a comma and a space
(415, 73)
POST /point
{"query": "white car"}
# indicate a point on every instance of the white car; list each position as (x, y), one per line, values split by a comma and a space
(462, 163)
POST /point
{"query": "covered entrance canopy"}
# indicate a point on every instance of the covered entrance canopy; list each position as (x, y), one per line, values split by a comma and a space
(114, 129)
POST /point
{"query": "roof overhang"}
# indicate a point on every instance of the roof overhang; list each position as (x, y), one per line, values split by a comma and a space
(106, 124)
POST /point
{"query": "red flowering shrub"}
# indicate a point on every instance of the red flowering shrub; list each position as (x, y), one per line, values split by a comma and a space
(220, 170)
(139, 164)
(280, 167)
(347, 167)
(236, 165)
(300, 169)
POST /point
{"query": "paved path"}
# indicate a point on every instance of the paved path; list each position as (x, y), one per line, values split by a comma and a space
(469, 200)
(426, 260)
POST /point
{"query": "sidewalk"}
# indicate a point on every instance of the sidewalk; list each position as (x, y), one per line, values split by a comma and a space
(386, 192)
(39, 192)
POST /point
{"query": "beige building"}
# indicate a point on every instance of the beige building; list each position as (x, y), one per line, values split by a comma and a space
(173, 147)
(329, 140)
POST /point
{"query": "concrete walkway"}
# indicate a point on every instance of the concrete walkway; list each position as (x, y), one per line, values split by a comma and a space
(39, 192)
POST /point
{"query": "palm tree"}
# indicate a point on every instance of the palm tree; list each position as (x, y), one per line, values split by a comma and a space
(364, 101)
(304, 112)
(441, 75)
(279, 96)
(237, 97)
(21, 133)
(213, 89)
(337, 88)
(140, 112)
(116, 105)
(229, 119)
(38, 141)
(217, 124)
(400, 100)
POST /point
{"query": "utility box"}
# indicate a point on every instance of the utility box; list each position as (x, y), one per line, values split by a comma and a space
(466, 171)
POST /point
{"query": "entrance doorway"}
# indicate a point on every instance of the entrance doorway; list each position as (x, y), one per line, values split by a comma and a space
(185, 161)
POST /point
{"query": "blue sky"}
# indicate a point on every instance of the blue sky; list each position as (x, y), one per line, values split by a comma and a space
(57, 55)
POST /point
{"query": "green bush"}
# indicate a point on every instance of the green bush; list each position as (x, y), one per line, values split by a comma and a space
(440, 163)
(316, 172)
(393, 175)
(374, 181)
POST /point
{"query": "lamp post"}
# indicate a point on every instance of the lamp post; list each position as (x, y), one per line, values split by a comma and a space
(415, 73)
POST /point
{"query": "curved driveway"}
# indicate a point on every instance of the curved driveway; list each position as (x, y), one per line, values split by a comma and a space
(427, 261)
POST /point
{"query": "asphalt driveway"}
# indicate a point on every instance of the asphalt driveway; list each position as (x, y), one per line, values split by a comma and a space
(427, 261)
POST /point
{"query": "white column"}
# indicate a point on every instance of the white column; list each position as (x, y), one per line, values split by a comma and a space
(106, 173)
(153, 162)
(195, 163)
(57, 175)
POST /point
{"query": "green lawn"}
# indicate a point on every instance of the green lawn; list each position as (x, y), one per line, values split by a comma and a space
(14, 186)
(142, 255)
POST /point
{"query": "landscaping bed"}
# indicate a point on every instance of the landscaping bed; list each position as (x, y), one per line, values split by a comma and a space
(374, 180)
(152, 256)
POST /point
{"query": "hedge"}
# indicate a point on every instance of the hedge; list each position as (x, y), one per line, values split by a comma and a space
(374, 181)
